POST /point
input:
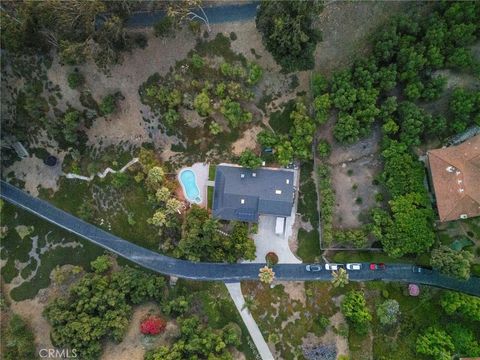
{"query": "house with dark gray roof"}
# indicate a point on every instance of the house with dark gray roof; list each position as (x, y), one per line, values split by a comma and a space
(244, 194)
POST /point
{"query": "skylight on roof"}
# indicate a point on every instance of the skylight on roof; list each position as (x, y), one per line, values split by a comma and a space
(278, 192)
(242, 201)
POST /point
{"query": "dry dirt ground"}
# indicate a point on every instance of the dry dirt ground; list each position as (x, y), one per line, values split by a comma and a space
(358, 165)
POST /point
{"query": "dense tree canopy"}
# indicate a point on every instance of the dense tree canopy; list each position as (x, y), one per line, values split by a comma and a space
(287, 31)
(462, 304)
(435, 343)
(354, 308)
(202, 240)
(452, 262)
(409, 229)
(98, 307)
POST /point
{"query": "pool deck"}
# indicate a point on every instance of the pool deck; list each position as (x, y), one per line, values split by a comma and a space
(201, 176)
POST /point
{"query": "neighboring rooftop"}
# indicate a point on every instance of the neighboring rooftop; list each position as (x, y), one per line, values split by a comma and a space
(455, 174)
(243, 194)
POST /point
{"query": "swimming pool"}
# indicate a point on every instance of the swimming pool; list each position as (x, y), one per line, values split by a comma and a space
(189, 184)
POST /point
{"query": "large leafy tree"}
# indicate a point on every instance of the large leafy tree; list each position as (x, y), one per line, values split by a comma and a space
(287, 31)
(249, 159)
(18, 340)
(409, 229)
(202, 240)
(435, 343)
(459, 303)
(354, 308)
(452, 262)
(388, 312)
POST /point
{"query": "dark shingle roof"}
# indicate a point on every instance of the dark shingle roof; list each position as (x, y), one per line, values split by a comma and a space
(243, 194)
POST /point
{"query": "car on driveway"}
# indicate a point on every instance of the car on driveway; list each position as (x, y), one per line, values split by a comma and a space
(375, 266)
(334, 266)
(313, 267)
(354, 266)
(421, 270)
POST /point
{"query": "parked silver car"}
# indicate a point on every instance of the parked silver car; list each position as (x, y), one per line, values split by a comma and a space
(313, 267)
(334, 266)
(354, 266)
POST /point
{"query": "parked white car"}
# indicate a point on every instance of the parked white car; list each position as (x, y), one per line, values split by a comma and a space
(354, 266)
(333, 266)
(313, 267)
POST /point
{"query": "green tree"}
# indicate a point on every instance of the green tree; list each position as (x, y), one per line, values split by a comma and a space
(323, 148)
(101, 264)
(339, 278)
(462, 304)
(388, 312)
(463, 340)
(18, 339)
(234, 113)
(108, 104)
(202, 104)
(214, 128)
(409, 230)
(155, 177)
(322, 105)
(287, 31)
(249, 159)
(354, 308)
(71, 122)
(75, 79)
(347, 128)
(98, 307)
(452, 262)
(435, 343)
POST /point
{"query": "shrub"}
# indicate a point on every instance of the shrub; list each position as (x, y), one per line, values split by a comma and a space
(153, 325)
(233, 36)
(323, 149)
(75, 79)
(163, 27)
(108, 104)
(101, 264)
(18, 339)
(271, 258)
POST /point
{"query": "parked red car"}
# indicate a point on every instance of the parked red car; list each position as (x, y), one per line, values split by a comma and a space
(379, 266)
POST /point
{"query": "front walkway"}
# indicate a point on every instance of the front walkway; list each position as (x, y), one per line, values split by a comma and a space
(235, 291)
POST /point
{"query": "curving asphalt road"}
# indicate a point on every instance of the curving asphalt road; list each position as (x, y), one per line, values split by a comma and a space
(216, 14)
(215, 271)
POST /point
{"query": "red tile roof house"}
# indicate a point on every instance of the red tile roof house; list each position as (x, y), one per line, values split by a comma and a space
(455, 173)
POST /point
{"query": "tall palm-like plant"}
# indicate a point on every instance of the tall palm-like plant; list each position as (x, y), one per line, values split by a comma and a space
(339, 278)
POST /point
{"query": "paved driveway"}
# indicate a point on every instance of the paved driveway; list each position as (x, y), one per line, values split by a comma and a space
(266, 241)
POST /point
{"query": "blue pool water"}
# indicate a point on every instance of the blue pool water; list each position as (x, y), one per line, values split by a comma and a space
(189, 185)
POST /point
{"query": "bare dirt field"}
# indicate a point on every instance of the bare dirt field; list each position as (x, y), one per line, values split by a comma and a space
(353, 169)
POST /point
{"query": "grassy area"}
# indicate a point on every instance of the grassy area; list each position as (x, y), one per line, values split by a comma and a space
(211, 172)
(58, 250)
(307, 204)
(308, 245)
(280, 120)
(210, 190)
(308, 242)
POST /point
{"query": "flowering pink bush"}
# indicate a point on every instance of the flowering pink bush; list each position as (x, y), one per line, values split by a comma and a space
(153, 325)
